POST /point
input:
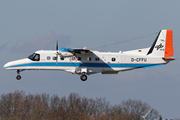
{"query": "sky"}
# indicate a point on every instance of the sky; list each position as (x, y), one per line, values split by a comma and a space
(28, 26)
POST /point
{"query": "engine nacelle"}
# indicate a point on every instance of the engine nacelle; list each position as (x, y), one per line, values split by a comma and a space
(66, 54)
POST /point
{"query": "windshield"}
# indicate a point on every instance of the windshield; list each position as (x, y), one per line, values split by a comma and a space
(34, 57)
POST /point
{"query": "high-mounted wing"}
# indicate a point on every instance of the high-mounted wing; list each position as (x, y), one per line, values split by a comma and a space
(79, 51)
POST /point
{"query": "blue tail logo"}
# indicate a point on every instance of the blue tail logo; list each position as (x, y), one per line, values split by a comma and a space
(159, 46)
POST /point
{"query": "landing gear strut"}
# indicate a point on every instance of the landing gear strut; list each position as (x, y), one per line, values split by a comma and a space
(18, 77)
(83, 77)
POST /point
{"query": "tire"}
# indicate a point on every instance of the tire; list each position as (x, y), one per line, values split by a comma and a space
(18, 77)
(83, 77)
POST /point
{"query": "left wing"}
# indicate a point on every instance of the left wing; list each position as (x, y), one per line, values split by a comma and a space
(80, 51)
(68, 52)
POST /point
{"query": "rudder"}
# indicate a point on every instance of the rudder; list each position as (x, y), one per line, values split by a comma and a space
(169, 50)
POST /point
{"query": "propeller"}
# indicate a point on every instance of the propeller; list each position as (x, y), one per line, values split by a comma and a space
(57, 52)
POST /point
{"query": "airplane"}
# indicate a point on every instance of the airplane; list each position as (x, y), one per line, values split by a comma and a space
(86, 62)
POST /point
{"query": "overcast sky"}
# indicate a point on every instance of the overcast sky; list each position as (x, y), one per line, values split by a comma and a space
(27, 26)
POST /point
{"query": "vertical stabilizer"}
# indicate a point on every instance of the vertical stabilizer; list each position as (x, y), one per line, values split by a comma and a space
(163, 44)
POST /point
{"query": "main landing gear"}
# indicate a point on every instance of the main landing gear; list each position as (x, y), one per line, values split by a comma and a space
(18, 77)
(83, 76)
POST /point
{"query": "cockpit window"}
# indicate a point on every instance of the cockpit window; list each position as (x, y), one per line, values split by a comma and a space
(34, 57)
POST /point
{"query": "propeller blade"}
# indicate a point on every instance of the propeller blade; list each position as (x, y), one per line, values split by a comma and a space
(57, 52)
(57, 46)
(56, 58)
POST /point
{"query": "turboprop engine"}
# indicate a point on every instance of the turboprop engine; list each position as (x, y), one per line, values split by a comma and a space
(66, 54)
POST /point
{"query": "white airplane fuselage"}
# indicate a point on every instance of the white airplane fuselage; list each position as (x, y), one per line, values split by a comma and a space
(105, 62)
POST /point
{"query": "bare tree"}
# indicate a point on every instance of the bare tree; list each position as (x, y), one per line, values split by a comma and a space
(21, 106)
(133, 109)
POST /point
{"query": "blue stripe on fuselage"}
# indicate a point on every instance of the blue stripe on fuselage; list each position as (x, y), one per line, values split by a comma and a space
(70, 64)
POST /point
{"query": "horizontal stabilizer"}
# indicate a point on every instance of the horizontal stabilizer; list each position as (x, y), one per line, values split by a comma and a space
(169, 58)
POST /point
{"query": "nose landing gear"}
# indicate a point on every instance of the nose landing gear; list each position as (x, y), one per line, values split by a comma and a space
(18, 77)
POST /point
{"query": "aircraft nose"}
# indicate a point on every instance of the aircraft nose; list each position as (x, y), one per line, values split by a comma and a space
(7, 65)
(14, 64)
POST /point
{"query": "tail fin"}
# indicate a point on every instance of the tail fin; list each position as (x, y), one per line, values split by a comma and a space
(163, 44)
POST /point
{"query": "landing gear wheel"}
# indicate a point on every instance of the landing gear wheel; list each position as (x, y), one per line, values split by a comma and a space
(83, 77)
(18, 77)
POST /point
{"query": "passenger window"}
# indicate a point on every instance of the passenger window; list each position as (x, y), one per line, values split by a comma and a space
(73, 58)
(48, 58)
(89, 58)
(113, 59)
(54, 58)
(96, 59)
(79, 58)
